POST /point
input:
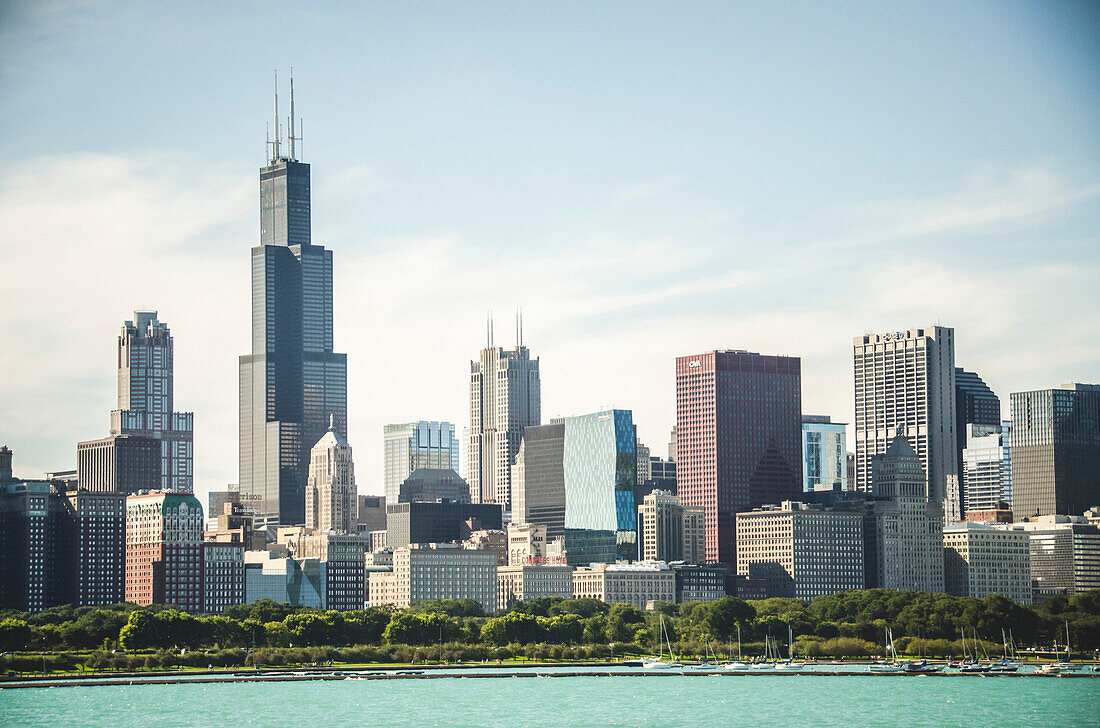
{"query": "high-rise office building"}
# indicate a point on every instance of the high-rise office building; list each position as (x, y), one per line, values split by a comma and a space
(824, 453)
(505, 398)
(986, 473)
(330, 491)
(738, 437)
(669, 531)
(975, 404)
(372, 514)
(1065, 554)
(1055, 445)
(222, 575)
(119, 464)
(164, 550)
(905, 386)
(146, 406)
(30, 518)
(293, 383)
(577, 477)
(415, 445)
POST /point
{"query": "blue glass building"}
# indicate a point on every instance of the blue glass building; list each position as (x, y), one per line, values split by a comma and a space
(577, 476)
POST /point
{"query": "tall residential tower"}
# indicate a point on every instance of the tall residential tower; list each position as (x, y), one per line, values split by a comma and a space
(292, 383)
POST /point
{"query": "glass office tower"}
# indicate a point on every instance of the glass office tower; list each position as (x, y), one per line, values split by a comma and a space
(293, 381)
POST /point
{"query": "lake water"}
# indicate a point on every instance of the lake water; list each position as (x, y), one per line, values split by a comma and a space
(668, 700)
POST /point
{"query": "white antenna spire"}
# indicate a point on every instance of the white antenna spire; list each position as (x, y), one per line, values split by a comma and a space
(267, 141)
(275, 147)
(521, 325)
(292, 137)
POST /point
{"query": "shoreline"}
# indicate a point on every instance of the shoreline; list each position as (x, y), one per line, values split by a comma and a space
(435, 672)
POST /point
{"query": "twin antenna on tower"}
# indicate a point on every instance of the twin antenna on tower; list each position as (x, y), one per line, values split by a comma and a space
(489, 328)
(274, 148)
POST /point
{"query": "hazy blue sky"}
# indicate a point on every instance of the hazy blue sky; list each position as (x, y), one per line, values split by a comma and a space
(645, 179)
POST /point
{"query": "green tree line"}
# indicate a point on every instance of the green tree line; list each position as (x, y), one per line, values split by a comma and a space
(846, 623)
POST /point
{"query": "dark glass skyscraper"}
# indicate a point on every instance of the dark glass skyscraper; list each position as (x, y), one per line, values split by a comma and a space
(975, 404)
(292, 381)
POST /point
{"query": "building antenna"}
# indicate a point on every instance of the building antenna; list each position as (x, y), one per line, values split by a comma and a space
(292, 137)
(267, 141)
(521, 325)
(518, 342)
(275, 147)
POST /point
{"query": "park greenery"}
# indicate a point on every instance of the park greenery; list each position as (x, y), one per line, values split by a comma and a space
(845, 625)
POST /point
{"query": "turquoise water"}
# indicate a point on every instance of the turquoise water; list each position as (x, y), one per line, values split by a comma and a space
(675, 700)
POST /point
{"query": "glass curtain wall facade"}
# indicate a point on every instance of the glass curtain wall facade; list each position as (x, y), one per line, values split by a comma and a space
(824, 453)
(293, 382)
(414, 445)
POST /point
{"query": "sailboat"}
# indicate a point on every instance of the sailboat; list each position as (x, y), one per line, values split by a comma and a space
(891, 663)
(1067, 664)
(659, 663)
(976, 665)
(710, 664)
(1007, 663)
(789, 663)
(739, 665)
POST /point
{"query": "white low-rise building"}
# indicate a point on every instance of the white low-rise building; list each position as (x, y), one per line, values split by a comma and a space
(423, 572)
(979, 560)
(636, 583)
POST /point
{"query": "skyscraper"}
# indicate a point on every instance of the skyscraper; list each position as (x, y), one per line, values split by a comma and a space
(505, 398)
(146, 401)
(738, 438)
(330, 491)
(975, 404)
(824, 454)
(414, 445)
(1055, 445)
(292, 383)
(905, 386)
(577, 477)
(164, 550)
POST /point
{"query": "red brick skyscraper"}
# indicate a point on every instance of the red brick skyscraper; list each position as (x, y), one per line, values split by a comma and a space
(738, 437)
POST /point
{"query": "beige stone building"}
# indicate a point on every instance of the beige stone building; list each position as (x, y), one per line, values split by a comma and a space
(330, 489)
(801, 551)
(493, 540)
(436, 571)
(670, 531)
(524, 582)
(637, 583)
(979, 560)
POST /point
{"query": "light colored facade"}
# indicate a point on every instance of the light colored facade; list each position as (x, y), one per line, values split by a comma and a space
(297, 582)
(643, 471)
(903, 527)
(1065, 553)
(164, 561)
(986, 476)
(411, 446)
(524, 582)
(979, 560)
(146, 399)
(636, 583)
(436, 571)
(800, 551)
(505, 398)
(670, 531)
(824, 453)
(905, 385)
(222, 576)
(526, 541)
(331, 502)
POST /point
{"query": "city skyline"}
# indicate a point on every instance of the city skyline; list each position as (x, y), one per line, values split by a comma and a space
(610, 268)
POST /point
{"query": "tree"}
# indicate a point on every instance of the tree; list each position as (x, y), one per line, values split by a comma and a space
(723, 616)
(514, 627)
(420, 629)
(623, 622)
(15, 634)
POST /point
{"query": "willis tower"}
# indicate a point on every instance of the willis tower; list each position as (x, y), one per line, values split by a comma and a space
(292, 382)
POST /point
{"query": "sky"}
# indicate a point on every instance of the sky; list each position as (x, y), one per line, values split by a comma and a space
(645, 179)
